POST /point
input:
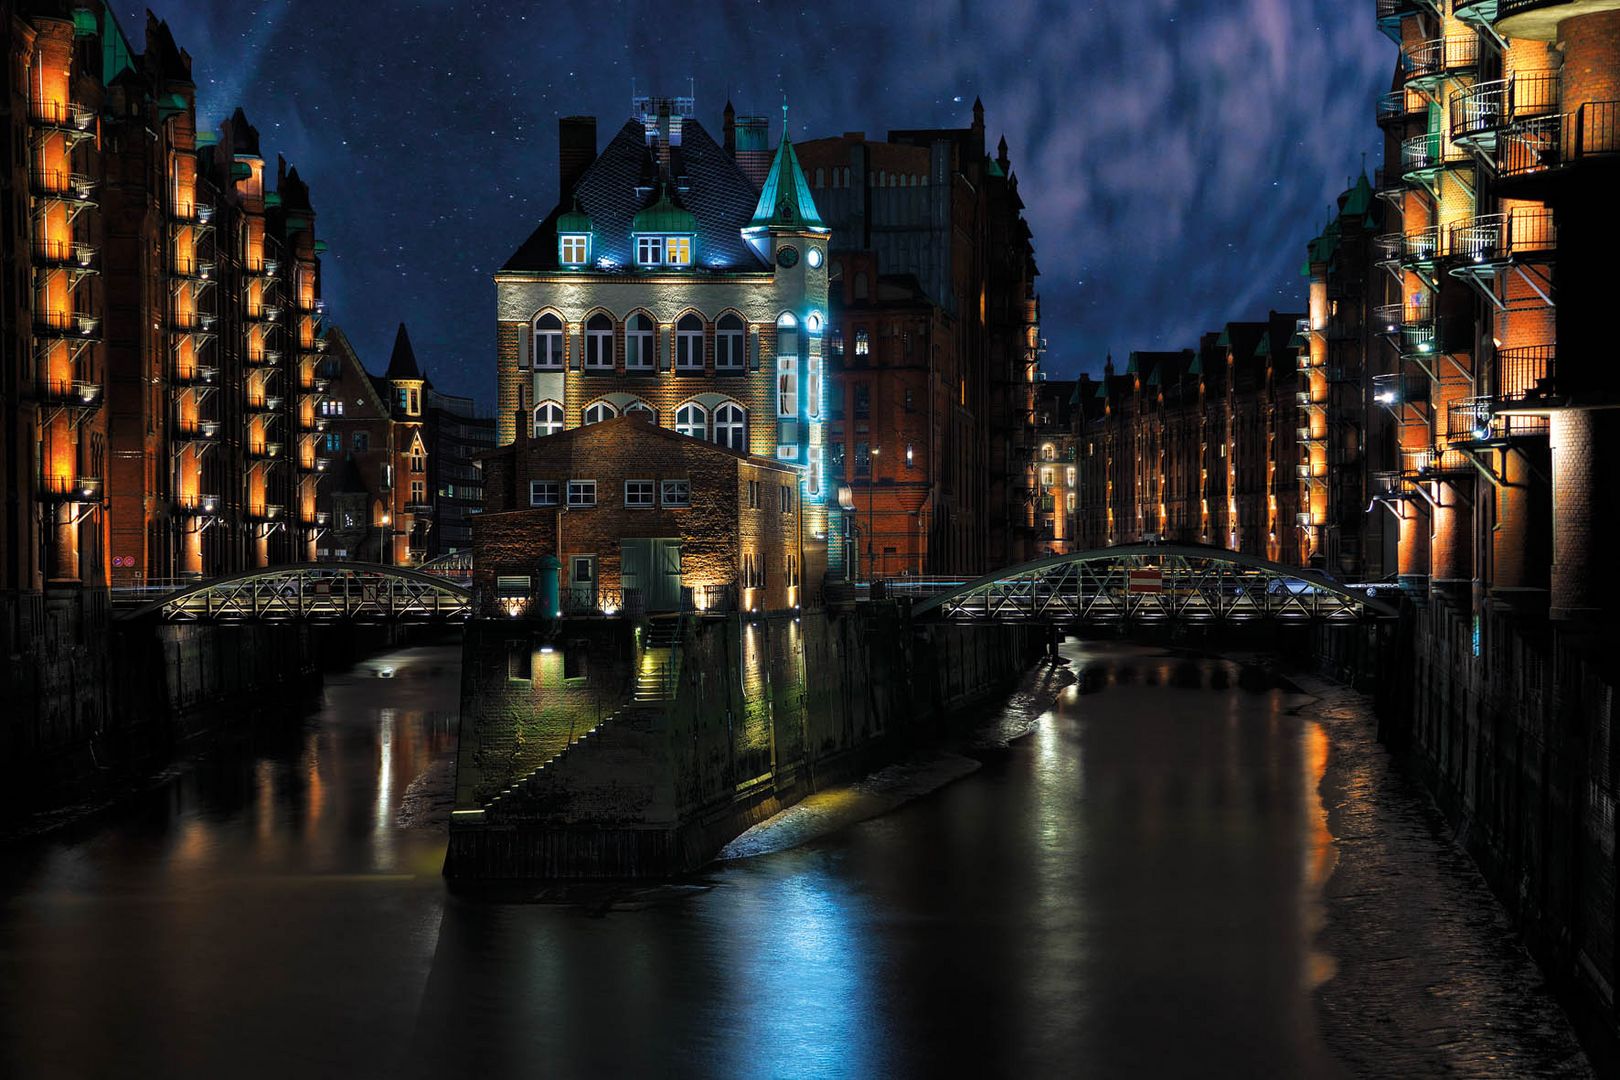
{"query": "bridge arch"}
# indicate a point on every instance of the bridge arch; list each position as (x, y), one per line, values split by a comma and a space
(322, 592)
(1152, 583)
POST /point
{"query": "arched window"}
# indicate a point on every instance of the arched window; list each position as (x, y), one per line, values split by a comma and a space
(787, 366)
(639, 406)
(731, 427)
(640, 354)
(599, 342)
(595, 414)
(691, 421)
(689, 343)
(730, 343)
(548, 419)
(548, 343)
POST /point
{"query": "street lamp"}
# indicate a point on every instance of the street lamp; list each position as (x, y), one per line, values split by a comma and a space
(386, 557)
(871, 514)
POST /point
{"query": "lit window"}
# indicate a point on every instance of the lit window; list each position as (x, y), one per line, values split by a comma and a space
(548, 419)
(785, 500)
(731, 427)
(595, 414)
(863, 343)
(691, 421)
(1071, 477)
(418, 492)
(1046, 478)
(599, 342)
(418, 459)
(640, 353)
(689, 343)
(581, 493)
(729, 339)
(333, 442)
(332, 407)
(676, 494)
(678, 251)
(638, 494)
(576, 249)
(548, 343)
(812, 388)
(787, 387)
(650, 250)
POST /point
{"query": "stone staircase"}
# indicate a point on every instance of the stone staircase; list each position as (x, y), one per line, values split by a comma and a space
(659, 670)
(656, 686)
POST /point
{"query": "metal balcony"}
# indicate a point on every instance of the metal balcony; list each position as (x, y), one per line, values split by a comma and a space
(1424, 156)
(72, 393)
(1420, 249)
(65, 254)
(270, 403)
(1395, 390)
(193, 377)
(57, 186)
(266, 512)
(1441, 58)
(66, 325)
(264, 358)
(191, 270)
(1479, 112)
(1398, 106)
(1497, 239)
(198, 505)
(1526, 375)
(67, 117)
(1541, 145)
(265, 451)
(198, 431)
(1478, 13)
(81, 489)
(1468, 421)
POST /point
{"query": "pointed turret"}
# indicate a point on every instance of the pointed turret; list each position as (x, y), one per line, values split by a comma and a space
(402, 365)
(784, 200)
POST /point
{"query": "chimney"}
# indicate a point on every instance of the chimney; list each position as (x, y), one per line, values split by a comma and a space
(576, 149)
(728, 125)
(754, 148)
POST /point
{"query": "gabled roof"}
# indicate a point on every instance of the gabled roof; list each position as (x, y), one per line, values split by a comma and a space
(784, 200)
(617, 187)
(402, 362)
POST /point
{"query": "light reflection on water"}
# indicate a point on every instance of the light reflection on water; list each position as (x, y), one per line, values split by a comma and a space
(1132, 890)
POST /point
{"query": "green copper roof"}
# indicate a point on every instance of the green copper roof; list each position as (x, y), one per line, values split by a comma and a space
(578, 221)
(662, 216)
(784, 201)
(995, 168)
(1360, 198)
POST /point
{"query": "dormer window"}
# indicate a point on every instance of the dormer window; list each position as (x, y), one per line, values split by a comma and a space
(664, 250)
(574, 249)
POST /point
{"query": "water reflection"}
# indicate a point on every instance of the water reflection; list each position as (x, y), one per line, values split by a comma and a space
(1133, 890)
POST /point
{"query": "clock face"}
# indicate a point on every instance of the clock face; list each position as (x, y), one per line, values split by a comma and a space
(814, 258)
(787, 257)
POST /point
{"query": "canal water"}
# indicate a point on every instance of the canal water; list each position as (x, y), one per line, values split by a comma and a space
(1178, 868)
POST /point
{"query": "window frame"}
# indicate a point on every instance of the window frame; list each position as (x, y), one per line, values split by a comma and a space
(640, 343)
(645, 248)
(535, 498)
(607, 409)
(651, 489)
(677, 504)
(689, 343)
(702, 425)
(678, 249)
(719, 422)
(728, 340)
(567, 240)
(545, 333)
(557, 419)
(599, 345)
(582, 488)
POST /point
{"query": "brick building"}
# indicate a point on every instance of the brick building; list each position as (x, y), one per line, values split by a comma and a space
(640, 518)
(160, 385)
(1199, 446)
(376, 505)
(665, 282)
(1057, 469)
(455, 434)
(933, 345)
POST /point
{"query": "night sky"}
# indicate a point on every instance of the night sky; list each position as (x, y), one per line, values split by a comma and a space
(1175, 155)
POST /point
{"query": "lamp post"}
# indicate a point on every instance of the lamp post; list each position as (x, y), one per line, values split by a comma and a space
(871, 515)
(387, 555)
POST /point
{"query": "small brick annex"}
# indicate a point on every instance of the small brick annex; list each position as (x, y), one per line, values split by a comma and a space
(743, 540)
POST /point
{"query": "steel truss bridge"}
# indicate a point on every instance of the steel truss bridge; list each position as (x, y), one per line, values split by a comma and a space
(1146, 583)
(316, 592)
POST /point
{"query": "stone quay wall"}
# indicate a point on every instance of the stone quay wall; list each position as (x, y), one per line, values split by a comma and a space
(1510, 722)
(764, 712)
